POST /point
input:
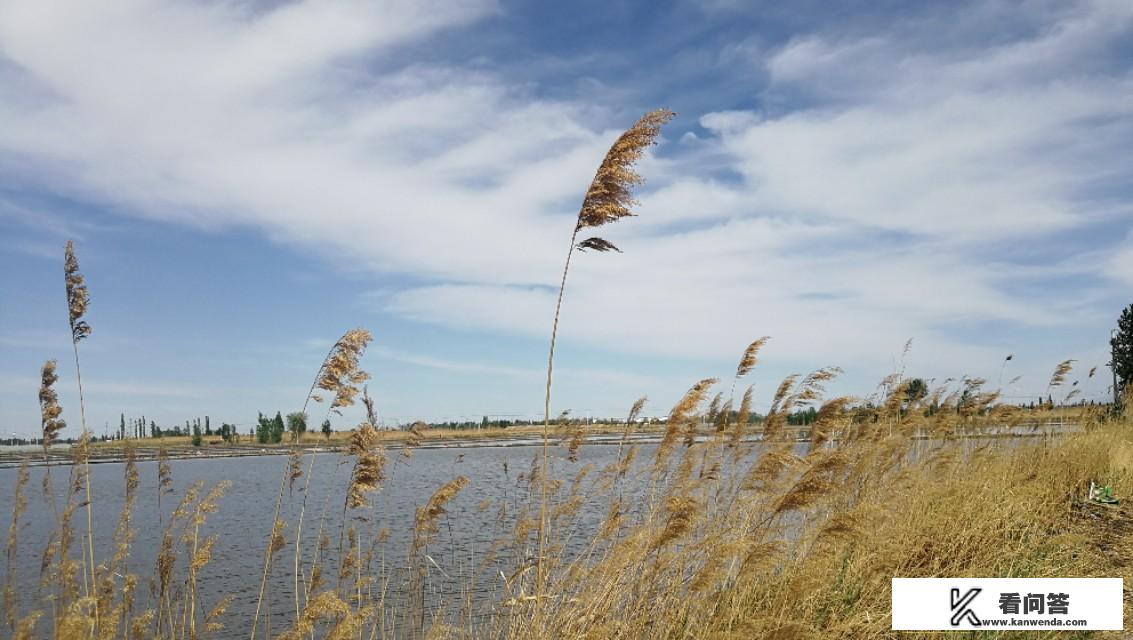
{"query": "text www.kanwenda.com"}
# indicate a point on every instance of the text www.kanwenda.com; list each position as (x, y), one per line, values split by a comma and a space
(1024, 622)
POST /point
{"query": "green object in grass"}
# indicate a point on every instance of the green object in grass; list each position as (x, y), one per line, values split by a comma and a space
(1104, 495)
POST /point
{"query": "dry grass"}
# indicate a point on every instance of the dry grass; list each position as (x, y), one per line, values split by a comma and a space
(809, 550)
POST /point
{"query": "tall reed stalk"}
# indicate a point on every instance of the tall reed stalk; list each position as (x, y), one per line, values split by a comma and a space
(608, 199)
(78, 299)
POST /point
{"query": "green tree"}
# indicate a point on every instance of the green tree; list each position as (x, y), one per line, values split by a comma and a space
(1122, 344)
(916, 390)
(277, 428)
(197, 434)
(326, 428)
(263, 429)
(297, 425)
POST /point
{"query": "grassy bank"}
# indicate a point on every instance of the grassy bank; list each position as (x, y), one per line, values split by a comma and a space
(1006, 509)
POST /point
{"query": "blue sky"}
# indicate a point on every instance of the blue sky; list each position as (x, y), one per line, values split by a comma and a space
(244, 181)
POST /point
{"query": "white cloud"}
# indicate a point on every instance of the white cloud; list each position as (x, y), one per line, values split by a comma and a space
(1121, 264)
(872, 212)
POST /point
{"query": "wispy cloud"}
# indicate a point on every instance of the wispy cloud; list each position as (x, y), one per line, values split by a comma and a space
(528, 374)
(930, 176)
(27, 385)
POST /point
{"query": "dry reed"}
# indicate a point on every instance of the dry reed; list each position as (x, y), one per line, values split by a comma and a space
(608, 199)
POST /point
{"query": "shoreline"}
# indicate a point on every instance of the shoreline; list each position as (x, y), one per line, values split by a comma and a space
(144, 452)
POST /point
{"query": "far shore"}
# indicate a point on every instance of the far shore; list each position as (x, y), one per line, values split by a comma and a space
(181, 448)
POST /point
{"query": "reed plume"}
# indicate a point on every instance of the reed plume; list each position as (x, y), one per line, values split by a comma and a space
(340, 374)
(750, 357)
(50, 424)
(426, 520)
(78, 298)
(745, 366)
(681, 415)
(635, 410)
(631, 419)
(1060, 372)
(369, 466)
(609, 199)
(1059, 376)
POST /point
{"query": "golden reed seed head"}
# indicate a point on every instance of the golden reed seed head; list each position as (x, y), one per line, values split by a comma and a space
(750, 357)
(635, 410)
(814, 385)
(340, 374)
(369, 468)
(49, 407)
(680, 415)
(782, 393)
(212, 623)
(77, 296)
(692, 399)
(610, 196)
(1060, 372)
(435, 507)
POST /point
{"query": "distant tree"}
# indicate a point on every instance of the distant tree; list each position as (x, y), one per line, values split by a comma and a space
(122, 427)
(197, 434)
(916, 390)
(228, 432)
(277, 428)
(208, 429)
(154, 432)
(326, 429)
(263, 429)
(297, 425)
(1122, 344)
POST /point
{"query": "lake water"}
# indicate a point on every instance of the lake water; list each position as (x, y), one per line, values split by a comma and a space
(244, 521)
